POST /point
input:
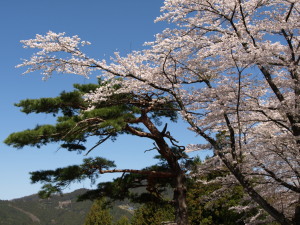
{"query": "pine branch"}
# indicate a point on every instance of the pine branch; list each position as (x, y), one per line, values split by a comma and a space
(157, 174)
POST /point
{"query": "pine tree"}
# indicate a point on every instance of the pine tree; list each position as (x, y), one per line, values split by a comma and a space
(123, 221)
(153, 214)
(98, 214)
(78, 119)
(231, 66)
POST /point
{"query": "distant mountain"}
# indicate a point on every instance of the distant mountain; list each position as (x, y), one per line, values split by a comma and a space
(60, 210)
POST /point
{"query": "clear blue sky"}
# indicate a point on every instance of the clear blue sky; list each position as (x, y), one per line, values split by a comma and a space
(110, 25)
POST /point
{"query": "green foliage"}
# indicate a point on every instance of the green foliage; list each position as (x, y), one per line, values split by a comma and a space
(203, 210)
(125, 187)
(56, 180)
(29, 210)
(209, 203)
(153, 214)
(12, 216)
(104, 120)
(123, 221)
(75, 125)
(68, 102)
(49, 212)
(222, 139)
(99, 214)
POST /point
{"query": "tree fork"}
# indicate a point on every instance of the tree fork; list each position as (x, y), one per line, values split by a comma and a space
(181, 212)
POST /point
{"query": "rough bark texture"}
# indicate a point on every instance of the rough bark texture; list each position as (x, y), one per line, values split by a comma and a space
(180, 199)
(181, 212)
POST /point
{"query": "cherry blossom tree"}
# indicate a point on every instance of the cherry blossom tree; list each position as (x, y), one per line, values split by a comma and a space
(232, 66)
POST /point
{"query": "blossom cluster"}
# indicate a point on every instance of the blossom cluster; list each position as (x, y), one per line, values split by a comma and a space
(232, 67)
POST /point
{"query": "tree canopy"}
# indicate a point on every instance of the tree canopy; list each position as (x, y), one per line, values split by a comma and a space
(229, 66)
(79, 119)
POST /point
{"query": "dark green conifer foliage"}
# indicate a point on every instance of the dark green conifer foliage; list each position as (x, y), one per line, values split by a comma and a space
(154, 188)
(211, 202)
(99, 214)
(153, 214)
(119, 114)
(123, 221)
(74, 124)
(206, 210)
(55, 180)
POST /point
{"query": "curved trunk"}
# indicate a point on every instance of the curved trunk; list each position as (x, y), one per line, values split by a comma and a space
(181, 215)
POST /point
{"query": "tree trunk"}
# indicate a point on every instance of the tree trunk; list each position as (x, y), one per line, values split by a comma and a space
(255, 196)
(181, 214)
(297, 213)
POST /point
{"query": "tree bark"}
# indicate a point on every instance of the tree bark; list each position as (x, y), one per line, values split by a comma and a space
(181, 216)
(145, 172)
(181, 212)
(278, 216)
(296, 219)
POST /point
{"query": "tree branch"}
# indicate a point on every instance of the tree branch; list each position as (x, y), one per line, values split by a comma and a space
(157, 174)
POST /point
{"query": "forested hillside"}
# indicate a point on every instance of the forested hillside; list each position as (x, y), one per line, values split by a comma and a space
(62, 210)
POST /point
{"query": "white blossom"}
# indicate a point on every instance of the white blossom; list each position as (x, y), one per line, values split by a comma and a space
(232, 67)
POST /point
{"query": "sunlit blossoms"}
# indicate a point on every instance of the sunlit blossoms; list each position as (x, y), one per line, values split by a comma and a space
(46, 60)
(232, 67)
